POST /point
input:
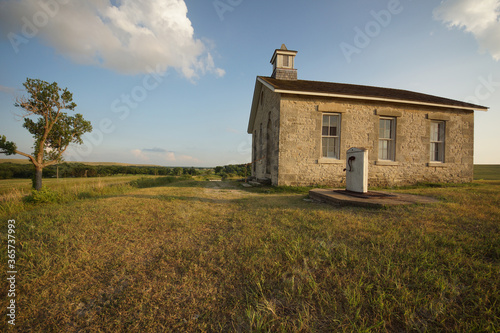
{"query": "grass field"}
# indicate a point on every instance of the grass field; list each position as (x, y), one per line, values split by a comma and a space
(486, 172)
(77, 185)
(165, 254)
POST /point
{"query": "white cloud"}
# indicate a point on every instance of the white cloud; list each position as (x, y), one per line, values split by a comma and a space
(186, 158)
(232, 130)
(479, 17)
(7, 90)
(139, 154)
(168, 156)
(128, 37)
(172, 157)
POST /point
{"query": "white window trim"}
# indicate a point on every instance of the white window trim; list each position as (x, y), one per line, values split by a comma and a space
(392, 151)
(442, 155)
(281, 63)
(286, 63)
(330, 160)
(386, 163)
(324, 159)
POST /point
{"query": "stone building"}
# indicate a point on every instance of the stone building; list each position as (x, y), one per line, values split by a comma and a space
(302, 129)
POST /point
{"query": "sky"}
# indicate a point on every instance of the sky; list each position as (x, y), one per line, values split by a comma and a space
(170, 82)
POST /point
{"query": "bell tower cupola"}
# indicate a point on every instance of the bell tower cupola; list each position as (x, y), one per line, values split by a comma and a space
(283, 62)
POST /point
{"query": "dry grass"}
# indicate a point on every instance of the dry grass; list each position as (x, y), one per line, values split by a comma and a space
(79, 184)
(209, 256)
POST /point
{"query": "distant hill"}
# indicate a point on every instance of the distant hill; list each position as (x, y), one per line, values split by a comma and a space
(26, 161)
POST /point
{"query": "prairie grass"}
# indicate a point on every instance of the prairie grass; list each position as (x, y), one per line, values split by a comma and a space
(189, 256)
(486, 171)
(15, 193)
(25, 185)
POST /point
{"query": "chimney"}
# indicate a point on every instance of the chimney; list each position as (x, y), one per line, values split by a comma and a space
(283, 62)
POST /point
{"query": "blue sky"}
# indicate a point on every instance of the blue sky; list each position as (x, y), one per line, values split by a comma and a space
(170, 82)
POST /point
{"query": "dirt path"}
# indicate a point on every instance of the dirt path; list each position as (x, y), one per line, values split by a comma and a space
(226, 190)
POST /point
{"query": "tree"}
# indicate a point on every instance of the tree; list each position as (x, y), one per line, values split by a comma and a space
(177, 171)
(53, 130)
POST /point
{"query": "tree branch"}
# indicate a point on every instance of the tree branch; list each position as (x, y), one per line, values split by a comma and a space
(26, 155)
(56, 160)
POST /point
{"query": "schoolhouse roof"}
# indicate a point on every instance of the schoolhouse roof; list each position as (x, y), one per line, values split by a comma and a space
(354, 91)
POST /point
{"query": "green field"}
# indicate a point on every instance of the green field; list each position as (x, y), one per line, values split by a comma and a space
(487, 172)
(166, 254)
(76, 184)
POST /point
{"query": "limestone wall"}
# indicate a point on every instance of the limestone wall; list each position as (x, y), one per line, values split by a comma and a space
(265, 137)
(299, 151)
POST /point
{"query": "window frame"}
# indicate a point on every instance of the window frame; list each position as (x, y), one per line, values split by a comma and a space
(391, 140)
(336, 137)
(286, 61)
(440, 142)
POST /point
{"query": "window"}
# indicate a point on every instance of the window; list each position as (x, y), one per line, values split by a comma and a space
(330, 136)
(437, 141)
(387, 139)
(286, 61)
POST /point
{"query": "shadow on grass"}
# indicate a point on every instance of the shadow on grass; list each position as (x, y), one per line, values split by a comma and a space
(153, 182)
(168, 181)
(263, 196)
(174, 198)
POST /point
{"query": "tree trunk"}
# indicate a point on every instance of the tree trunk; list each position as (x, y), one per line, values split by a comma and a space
(38, 178)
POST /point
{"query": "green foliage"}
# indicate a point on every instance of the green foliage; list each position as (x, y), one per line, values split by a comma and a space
(191, 171)
(152, 182)
(44, 195)
(240, 170)
(33, 181)
(5, 174)
(66, 170)
(7, 147)
(52, 129)
(177, 171)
